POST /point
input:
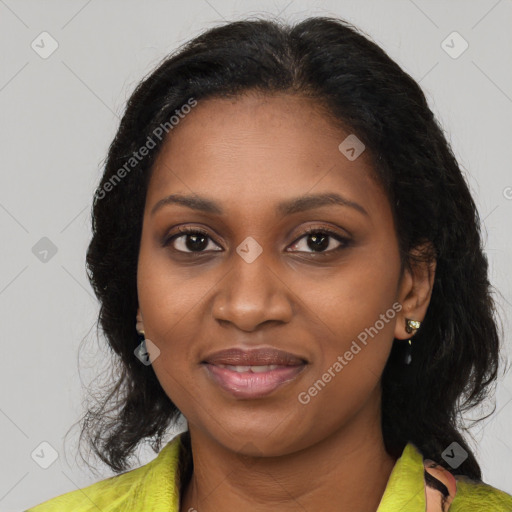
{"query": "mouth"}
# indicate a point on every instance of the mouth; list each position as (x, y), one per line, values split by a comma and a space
(252, 381)
(253, 373)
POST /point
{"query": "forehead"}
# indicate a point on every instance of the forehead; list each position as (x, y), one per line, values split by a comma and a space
(260, 149)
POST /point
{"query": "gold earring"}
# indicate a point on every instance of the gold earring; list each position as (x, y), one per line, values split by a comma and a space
(138, 328)
(410, 326)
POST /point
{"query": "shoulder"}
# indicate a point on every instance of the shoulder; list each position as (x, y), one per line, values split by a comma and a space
(448, 493)
(475, 496)
(136, 489)
(98, 496)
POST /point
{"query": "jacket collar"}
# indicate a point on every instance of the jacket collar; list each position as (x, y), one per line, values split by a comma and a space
(405, 489)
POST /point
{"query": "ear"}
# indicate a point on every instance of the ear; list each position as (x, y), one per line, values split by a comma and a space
(415, 290)
(140, 325)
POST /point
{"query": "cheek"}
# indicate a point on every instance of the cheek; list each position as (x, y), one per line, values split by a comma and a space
(167, 294)
(169, 302)
(175, 379)
(357, 293)
(356, 333)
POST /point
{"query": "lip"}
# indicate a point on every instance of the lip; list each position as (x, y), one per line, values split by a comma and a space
(252, 385)
(248, 384)
(254, 357)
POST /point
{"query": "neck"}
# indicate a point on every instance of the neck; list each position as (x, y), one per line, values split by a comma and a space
(347, 470)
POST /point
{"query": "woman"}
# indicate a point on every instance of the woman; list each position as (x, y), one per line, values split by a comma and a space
(284, 226)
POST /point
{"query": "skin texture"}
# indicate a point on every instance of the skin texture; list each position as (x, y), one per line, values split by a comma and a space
(248, 154)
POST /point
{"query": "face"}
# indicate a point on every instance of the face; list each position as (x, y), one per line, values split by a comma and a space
(252, 277)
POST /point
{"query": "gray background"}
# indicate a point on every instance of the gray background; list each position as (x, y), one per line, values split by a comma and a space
(58, 116)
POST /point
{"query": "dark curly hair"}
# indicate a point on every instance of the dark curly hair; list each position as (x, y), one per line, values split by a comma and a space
(360, 88)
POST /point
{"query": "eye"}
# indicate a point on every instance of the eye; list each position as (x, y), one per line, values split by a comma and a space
(195, 240)
(320, 240)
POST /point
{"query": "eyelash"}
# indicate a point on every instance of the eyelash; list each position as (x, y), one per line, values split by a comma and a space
(187, 230)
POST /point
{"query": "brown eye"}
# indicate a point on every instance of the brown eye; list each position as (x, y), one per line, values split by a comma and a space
(321, 240)
(190, 240)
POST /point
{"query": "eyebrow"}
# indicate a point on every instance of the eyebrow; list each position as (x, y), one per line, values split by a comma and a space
(288, 207)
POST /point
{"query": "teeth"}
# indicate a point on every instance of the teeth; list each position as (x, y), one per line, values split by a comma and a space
(238, 368)
(266, 368)
(255, 369)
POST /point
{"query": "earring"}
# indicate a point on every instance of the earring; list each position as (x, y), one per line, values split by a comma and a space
(140, 331)
(138, 327)
(142, 348)
(410, 326)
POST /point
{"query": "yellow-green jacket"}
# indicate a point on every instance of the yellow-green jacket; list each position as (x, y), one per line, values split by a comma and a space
(154, 487)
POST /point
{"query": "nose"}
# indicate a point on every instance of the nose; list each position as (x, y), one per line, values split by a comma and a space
(253, 293)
